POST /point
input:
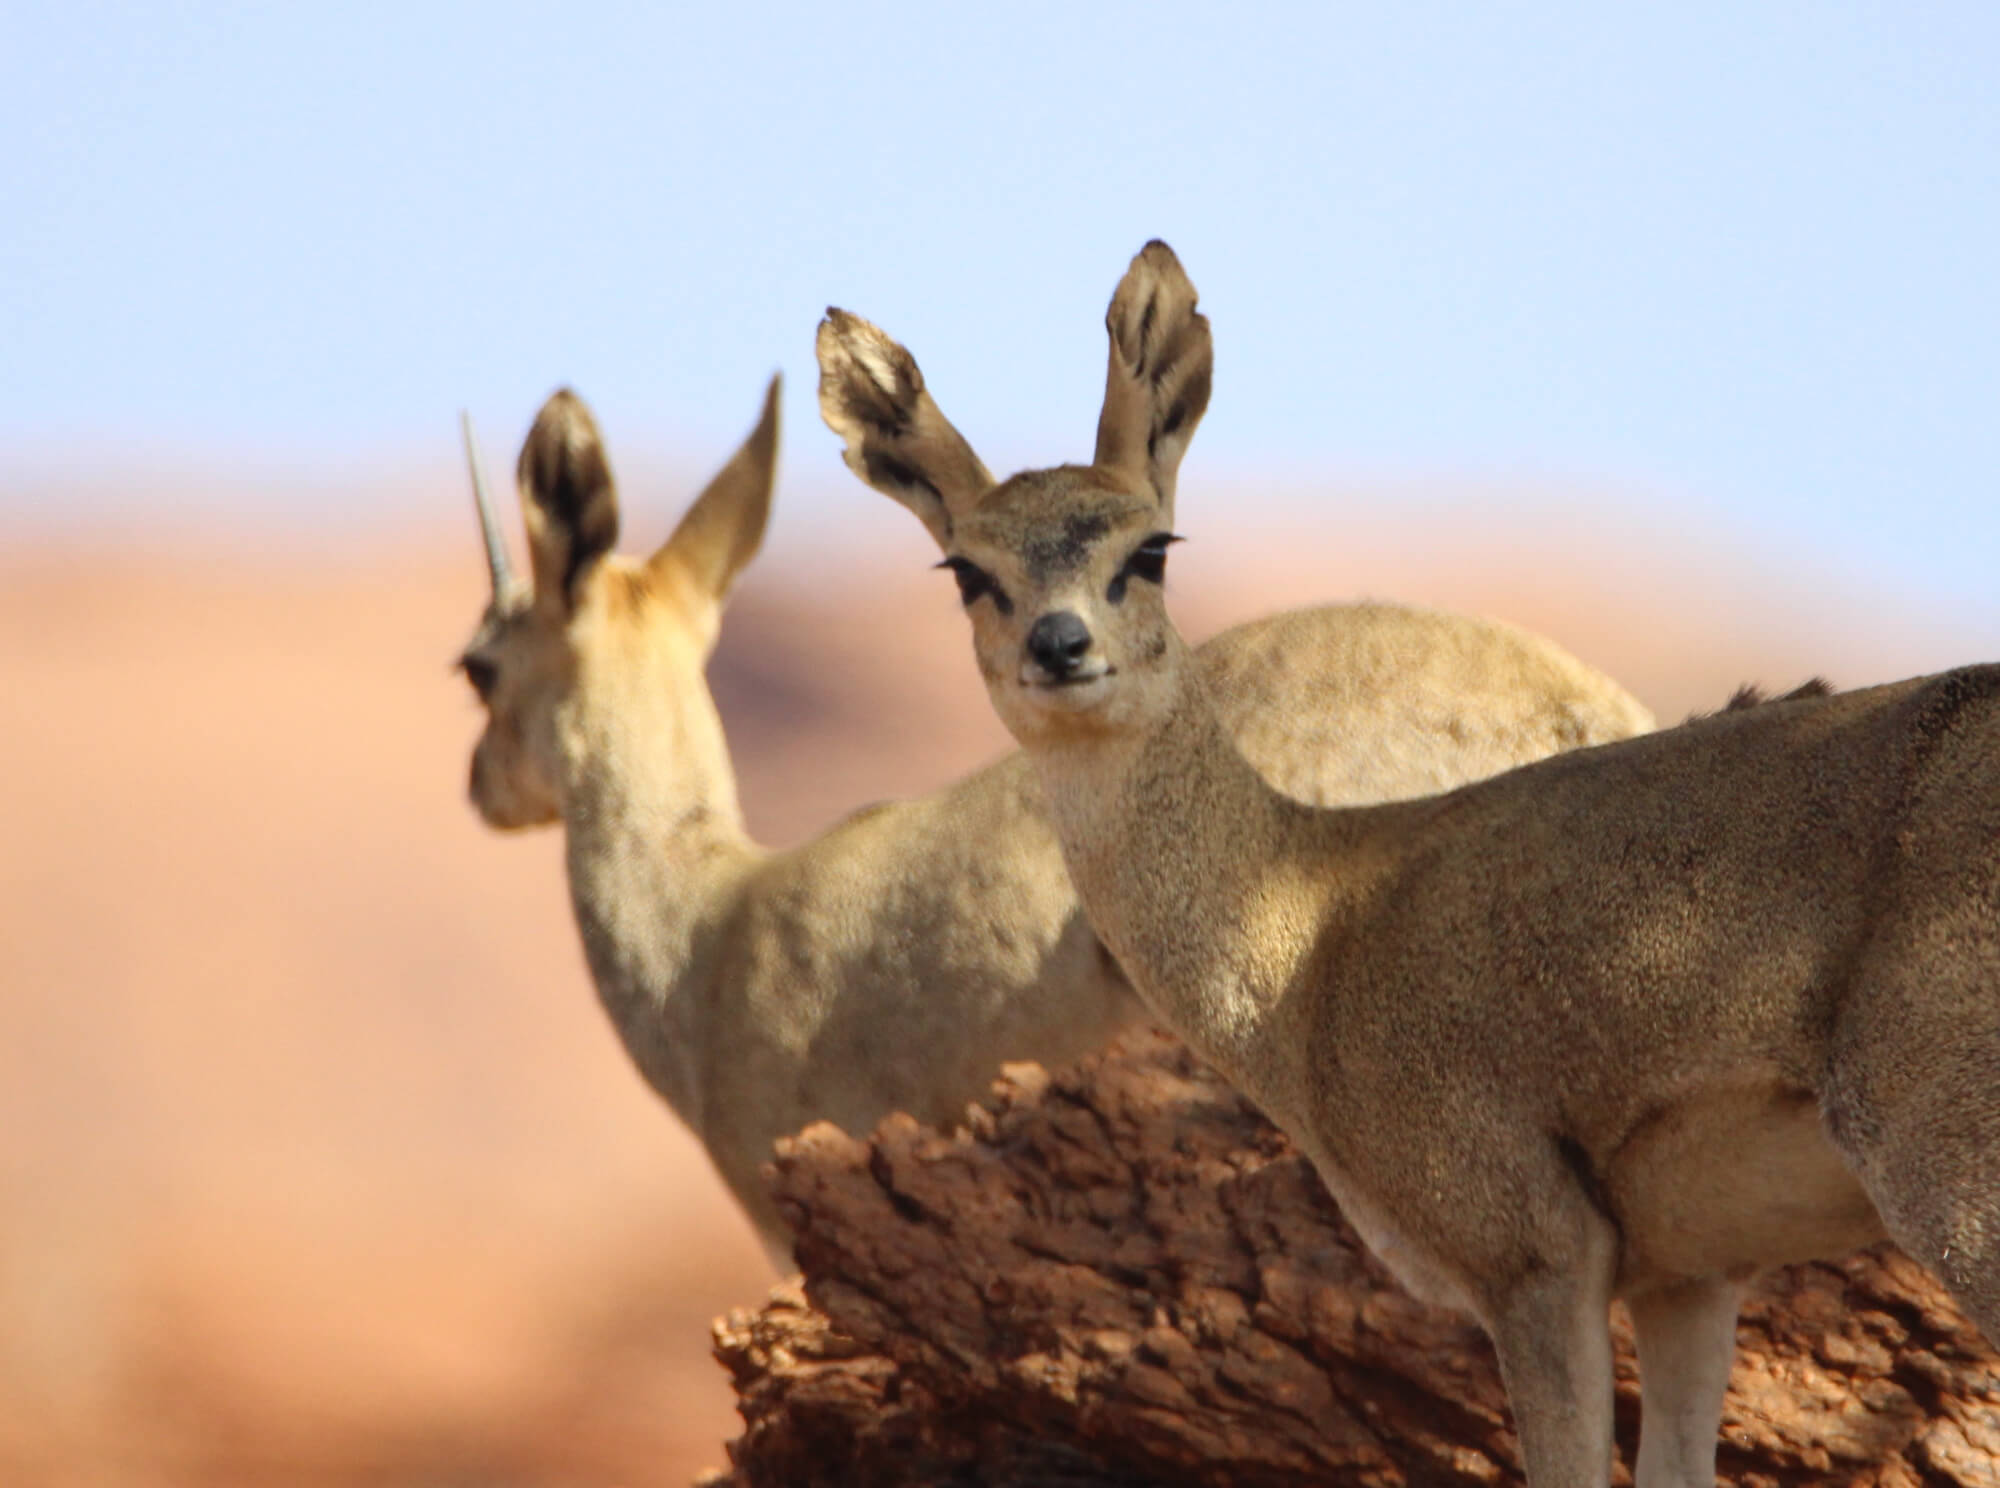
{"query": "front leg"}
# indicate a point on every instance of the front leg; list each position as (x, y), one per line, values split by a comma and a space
(1687, 1342)
(1552, 1331)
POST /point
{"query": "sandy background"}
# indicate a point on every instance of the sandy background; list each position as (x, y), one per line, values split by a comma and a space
(318, 1163)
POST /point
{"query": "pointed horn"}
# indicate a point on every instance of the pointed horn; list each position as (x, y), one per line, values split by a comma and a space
(489, 525)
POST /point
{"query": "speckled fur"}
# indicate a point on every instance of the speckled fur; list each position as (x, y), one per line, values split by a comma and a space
(894, 961)
(1635, 1020)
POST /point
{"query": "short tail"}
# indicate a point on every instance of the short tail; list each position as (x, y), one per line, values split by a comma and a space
(1750, 695)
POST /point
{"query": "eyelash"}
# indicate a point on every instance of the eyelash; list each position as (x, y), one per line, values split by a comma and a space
(973, 581)
(1148, 562)
(481, 673)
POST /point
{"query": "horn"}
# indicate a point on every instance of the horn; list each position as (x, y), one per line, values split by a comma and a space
(489, 525)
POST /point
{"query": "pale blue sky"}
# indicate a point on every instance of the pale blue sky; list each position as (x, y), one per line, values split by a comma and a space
(1741, 257)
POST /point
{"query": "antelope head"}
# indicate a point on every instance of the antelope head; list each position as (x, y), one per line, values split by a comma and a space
(593, 643)
(1061, 569)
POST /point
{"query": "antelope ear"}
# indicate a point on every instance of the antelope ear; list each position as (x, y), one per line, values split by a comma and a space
(566, 498)
(872, 395)
(724, 528)
(1157, 385)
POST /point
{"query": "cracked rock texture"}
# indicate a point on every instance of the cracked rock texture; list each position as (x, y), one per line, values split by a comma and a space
(1124, 1274)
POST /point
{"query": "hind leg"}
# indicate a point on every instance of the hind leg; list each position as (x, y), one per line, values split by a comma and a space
(1687, 1343)
(1930, 1160)
(1941, 1208)
(1912, 1100)
(1911, 1089)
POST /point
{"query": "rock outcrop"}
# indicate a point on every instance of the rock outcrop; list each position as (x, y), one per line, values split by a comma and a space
(1125, 1275)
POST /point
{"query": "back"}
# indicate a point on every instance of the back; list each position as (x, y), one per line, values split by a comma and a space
(1630, 917)
(1394, 701)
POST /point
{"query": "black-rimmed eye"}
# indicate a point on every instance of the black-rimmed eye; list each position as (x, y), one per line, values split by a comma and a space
(481, 673)
(1148, 562)
(974, 581)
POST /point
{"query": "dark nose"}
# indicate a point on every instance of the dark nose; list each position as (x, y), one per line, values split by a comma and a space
(1058, 641)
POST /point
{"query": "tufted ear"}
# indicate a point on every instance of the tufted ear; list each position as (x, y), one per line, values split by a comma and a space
(724, 528)
(566, 498)
(1157, 385)
(872, 395)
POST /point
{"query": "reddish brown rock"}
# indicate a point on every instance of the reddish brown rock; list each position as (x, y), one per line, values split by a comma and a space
(1125, 1275)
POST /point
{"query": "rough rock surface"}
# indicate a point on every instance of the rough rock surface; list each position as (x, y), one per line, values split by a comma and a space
(1124, 1275)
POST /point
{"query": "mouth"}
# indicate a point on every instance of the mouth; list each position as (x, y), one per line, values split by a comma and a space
(1075, 690)
(1033, 675)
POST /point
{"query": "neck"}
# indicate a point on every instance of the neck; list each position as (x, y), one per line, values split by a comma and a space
(656, 855)
(1190, 869)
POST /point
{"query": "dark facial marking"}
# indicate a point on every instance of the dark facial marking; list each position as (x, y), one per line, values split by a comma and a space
(1052, 552)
